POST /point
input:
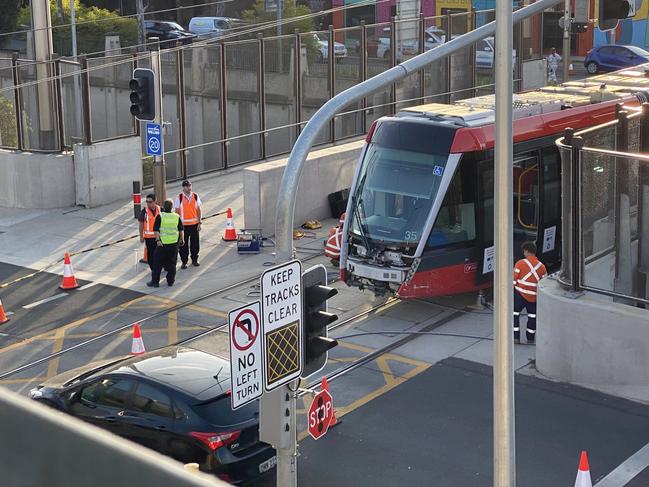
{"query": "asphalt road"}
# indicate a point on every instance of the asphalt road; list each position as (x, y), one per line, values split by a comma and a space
(436, 430)
(50, 315)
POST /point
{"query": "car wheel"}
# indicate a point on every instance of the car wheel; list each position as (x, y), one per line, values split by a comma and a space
(592, 67)
(387, 55)
(320, 58)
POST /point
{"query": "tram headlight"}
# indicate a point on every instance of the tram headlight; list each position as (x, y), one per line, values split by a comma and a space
(361, 251)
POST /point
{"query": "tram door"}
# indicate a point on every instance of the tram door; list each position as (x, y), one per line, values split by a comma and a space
(525, 174)
(526, 199)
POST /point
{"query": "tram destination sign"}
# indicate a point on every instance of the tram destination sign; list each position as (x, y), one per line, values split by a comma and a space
(281, 310)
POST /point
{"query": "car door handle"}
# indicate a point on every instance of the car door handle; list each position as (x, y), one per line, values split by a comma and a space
(161, 428)
(110, 419)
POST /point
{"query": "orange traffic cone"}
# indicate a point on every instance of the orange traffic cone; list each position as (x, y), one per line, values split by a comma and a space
(325, 386)
(69, 281)
(3, 316)
(583, 474)
(230, 232)
(145, 259)
(137, 347)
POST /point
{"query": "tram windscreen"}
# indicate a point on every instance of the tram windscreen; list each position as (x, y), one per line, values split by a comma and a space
(397, 185)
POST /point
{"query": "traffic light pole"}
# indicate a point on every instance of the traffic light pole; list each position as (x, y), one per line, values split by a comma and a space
(159, 168)
(567, 21)
(273, 413)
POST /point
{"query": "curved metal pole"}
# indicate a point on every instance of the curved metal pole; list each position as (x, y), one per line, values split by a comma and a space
(304, 143)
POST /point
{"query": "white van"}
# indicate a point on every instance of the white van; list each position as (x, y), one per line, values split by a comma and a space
(211, 26)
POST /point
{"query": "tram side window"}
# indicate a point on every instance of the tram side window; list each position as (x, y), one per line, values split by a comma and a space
(455, 222)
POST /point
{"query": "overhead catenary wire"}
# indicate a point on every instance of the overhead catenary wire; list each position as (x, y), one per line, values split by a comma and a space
(204, 43)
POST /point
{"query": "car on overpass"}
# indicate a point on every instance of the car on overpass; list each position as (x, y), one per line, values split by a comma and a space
(322, 45)
(176, 401)
(169, 33)
(611, 57)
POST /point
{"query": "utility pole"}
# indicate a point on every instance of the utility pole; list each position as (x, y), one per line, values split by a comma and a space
(75, 84)
(43, 49)
(159, 168)
(503, 370)
(141, 37)
(567, 22)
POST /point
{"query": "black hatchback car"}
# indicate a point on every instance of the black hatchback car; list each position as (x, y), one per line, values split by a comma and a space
(169, 33)
(175, 401)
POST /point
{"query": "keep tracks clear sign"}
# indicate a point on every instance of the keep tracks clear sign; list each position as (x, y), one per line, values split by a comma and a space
(245, 354)
(281, 307)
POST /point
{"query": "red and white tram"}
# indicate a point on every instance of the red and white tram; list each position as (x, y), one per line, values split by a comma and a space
(420, 215)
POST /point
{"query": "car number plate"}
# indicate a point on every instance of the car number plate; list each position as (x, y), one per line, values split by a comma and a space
(268, 464)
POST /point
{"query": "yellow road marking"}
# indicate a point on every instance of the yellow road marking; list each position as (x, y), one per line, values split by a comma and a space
(143, 328)
(23, 380)
(71, 325)
(172, 328)
(53, 366)
(385, 369)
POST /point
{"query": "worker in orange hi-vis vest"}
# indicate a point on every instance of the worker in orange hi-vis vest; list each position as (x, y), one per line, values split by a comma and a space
(147, 219)
(527, 273)
(189, 206)
(334, 241)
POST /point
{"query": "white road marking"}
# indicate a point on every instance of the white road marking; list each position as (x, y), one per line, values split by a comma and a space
(46, 300)
(627, 470)
(89, 285)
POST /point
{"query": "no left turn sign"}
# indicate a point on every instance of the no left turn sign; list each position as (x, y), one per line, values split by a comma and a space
(245, 354)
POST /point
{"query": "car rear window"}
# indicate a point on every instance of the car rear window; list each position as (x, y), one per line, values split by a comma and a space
(219, 413)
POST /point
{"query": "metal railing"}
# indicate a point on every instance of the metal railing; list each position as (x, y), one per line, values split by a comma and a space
(228, 103)
(605, 193)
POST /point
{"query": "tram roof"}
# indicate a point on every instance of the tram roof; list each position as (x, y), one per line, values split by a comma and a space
(541, 112)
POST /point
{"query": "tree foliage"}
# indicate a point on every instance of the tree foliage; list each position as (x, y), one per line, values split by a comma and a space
(93, 24)
(8, 137)
(9, 15)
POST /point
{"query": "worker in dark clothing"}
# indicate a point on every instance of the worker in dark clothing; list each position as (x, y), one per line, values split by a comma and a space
(168, 230)
(147, 219)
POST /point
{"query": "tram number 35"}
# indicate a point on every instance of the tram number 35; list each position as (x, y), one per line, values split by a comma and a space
(410, 235)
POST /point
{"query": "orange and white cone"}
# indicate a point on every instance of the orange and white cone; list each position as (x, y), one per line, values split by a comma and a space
(230, 232)
(145, 259)
(583, 474)
(69, 281)
(3, 315)
(571, 69)
(137, 347)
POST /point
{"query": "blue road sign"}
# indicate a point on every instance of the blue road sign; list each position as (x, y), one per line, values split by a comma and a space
(153, 139)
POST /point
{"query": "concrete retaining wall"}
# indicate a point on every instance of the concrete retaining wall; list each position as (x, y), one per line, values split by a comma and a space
(326, 171)
(35, 180)
(91, 176)
(104, 172)
(591, 340)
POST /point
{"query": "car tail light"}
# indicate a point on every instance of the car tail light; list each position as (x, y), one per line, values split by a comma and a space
(214, 441)
(370, 133)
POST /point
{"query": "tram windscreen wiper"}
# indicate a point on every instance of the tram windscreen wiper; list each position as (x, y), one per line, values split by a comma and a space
(357, 199)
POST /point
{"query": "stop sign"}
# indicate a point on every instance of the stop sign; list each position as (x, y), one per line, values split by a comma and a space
(320, 414)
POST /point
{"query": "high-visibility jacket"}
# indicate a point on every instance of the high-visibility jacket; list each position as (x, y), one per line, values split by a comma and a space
(149, 220)
(527, 274)
(334, 242)
(188, 208)
(169, 228)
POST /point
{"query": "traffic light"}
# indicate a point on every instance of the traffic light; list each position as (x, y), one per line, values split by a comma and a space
(316, 343)
(142, 94)
(611, 11)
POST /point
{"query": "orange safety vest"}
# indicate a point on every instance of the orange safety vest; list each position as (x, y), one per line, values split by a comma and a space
(527, 274)
(149, 220)
(188, 210)
(334, 242)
